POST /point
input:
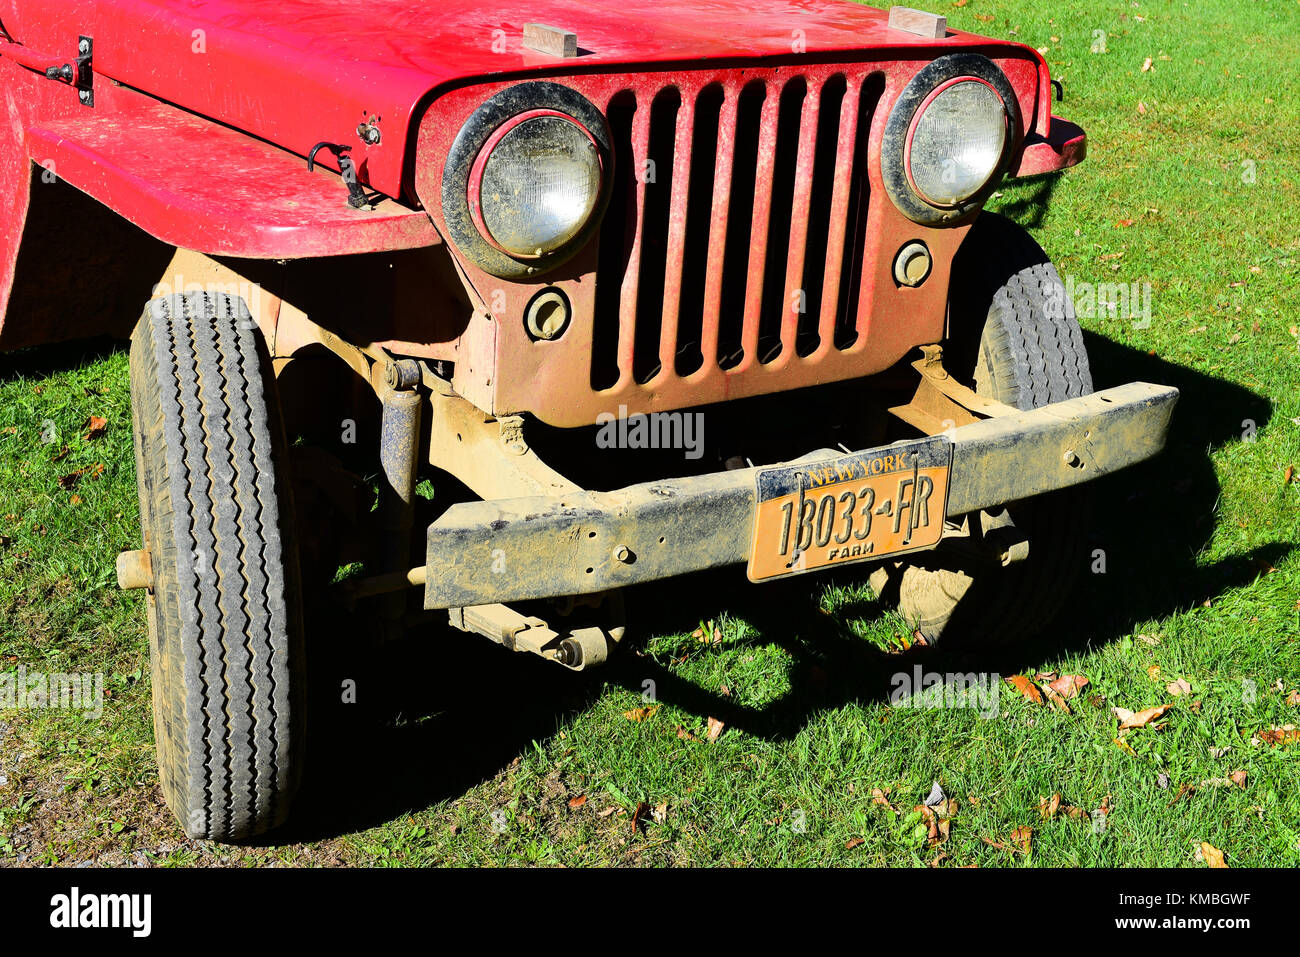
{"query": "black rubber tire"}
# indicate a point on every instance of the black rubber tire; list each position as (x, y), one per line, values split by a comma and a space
(1015, 339)
(225, 615)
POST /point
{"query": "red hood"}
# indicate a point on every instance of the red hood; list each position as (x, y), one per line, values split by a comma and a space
(297, 72)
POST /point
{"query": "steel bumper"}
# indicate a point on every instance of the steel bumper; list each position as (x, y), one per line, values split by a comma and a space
(578, 543)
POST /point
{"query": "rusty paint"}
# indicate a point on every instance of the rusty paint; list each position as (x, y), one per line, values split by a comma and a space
(552, 380)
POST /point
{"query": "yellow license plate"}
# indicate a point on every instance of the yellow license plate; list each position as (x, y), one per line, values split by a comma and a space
(856, 508)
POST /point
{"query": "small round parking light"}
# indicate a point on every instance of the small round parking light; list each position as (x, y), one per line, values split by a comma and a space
(547, 316)
(912, 264)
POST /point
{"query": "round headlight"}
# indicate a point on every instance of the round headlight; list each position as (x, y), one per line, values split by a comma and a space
(535, 184)
(957, 141)
(948, 138)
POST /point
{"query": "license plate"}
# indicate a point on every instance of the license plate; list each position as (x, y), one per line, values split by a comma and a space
(852, 509)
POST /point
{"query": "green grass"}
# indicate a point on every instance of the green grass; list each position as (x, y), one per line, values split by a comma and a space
(465, 755)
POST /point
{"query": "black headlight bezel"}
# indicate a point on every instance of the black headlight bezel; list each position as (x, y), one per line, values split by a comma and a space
(893, 148)
(478, 129)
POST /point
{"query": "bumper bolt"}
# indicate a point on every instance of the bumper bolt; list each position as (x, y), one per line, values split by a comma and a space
(622, 554)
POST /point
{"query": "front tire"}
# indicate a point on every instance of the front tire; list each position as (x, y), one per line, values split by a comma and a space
(1016, 340)
(224, 612)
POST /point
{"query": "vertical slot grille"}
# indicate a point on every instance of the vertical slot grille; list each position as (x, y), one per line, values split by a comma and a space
(733, 238)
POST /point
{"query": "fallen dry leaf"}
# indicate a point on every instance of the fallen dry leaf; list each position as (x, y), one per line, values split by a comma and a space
(578, 802)
(75, 500)
(1053, 806)
(638, 814)
(1056, 700)
(1264, 567)
(685, 735)
(1211, 855)
(1127, 719)
(853, 842)
(1068, 686)
(659, 813)
(1103, 810)
(1216, 783)
(1179, 687)
(1293, 698)
(1026, 688)
(1238, 778)
(1022, 837)
(640, 714)
(1000, 846)
(1287, 734)
(937, 826)
(1125, 746)
(715, 728)
(609, 810)
(1146, 64)
(96, 428)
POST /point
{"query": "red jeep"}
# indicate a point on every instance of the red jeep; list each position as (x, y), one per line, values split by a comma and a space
(642, 290)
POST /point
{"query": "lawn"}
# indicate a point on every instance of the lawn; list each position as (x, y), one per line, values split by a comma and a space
(466, 755)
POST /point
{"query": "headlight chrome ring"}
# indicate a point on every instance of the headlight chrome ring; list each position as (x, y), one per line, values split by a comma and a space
(950, 98)
(513, 237)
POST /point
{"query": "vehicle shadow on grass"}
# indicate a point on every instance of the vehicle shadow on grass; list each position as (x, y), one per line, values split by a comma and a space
(38, 362)
(441, 712)
(1148, 523)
